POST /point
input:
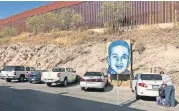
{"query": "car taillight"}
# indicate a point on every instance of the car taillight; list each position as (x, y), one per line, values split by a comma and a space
(82, 79)
(99, 80)
(58, 74)
(142, 84)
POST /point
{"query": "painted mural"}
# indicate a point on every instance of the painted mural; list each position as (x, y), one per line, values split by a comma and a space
(119, 57)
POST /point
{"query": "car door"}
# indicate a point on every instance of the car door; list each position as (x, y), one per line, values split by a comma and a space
(20, 70)
(73, 74)
(27, 71)
(134, 82)
(67, 72)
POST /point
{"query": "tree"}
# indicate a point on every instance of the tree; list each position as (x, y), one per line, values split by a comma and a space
(69, 19)
(34, 23)
(49, 21)
(116, 11)
(76, 20)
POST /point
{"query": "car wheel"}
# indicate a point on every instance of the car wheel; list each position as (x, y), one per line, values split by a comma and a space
(136, 95)
(65, 82)
(21, 78)
(102, 89)
(106, 83)
(30, 81)
(82, 88)
(8, 80)
(132, 90)
(76, 80)
(49, 84)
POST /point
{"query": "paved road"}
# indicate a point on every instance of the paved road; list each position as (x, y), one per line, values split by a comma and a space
(17, 96)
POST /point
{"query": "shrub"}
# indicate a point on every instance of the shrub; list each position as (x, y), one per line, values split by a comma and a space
(65, 20)
(140, 48)
(42, 23)
(116, 12)
(34, 23)
(68, 19)
(8, 31)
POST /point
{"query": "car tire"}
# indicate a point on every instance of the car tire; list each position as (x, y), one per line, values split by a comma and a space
(132, 90)
(102, 89)
(76, 80)
(8, 80)
(30, 81)
(106, 83)
(65, 82)
(82, 88)
(136, 95)
(21, 78)
(49, 84)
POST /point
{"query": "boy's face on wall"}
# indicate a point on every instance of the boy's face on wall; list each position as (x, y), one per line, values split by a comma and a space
(119, 59)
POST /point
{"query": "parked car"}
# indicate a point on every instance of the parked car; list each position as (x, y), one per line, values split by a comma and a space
(16, 72)
(93, 80)
(35, 77)
(146, 84)
(1, 75)
(60, 75)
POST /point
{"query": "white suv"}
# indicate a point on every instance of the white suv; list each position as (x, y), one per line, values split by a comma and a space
(16, 72)
(146, 84)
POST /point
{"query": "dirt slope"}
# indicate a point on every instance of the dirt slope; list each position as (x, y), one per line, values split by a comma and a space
(88, 51)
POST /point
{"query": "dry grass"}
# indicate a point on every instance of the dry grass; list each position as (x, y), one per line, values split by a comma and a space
(4, 40)
(68, 38)
(121, 83)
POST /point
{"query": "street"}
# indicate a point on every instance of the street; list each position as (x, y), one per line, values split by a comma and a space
(16, 96)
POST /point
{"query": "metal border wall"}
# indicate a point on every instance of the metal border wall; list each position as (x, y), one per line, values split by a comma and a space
(141, 13)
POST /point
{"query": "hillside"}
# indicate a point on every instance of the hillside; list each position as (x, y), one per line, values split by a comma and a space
(86, 50)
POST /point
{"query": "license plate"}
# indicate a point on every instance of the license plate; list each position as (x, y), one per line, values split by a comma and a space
(90, 83)
(155, 86)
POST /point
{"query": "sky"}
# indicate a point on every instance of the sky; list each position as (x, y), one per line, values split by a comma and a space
(9, 8)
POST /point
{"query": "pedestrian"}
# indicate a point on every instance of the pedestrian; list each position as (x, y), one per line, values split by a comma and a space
(169, 90)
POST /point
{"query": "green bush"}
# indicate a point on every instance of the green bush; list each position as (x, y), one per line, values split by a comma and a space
(67, 19)
(42, 23)
(117, 12)
(8, 31)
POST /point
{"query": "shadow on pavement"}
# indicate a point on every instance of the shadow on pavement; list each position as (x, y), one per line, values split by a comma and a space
(129, 102)
(107, 89)
(69, 85)
(148, 98)
(31, 100)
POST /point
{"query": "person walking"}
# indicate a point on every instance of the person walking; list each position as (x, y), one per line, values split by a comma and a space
(169, 90)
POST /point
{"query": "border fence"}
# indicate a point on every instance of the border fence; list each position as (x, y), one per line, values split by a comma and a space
(140, 13)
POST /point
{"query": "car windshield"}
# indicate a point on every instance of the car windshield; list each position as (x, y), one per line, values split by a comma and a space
(58, 70)
(93, 74)
(151, 77)
(8, 68)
